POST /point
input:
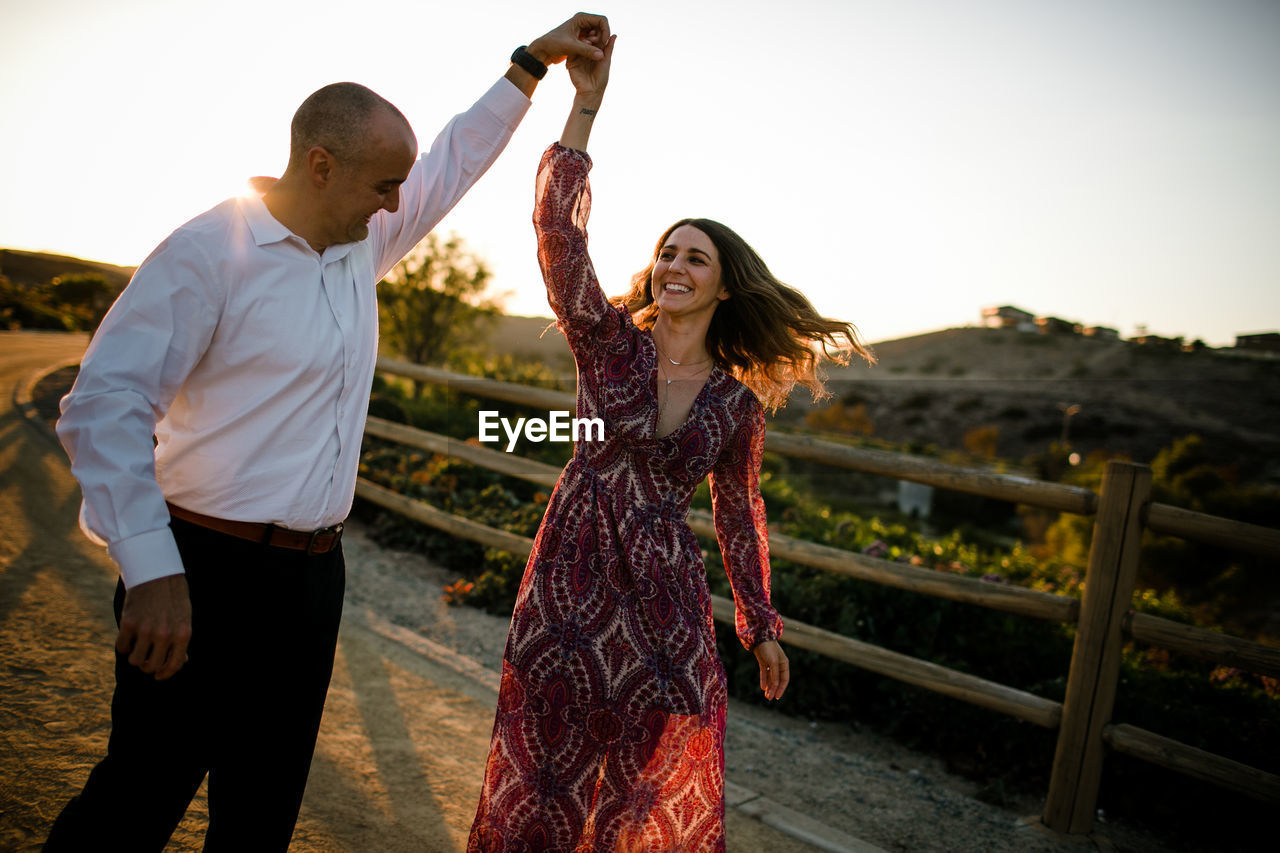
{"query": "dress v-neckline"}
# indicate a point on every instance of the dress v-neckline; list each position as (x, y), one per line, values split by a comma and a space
(653, 390)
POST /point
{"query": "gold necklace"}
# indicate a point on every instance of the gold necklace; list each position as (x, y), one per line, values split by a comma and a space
(665, 389)
(694, 375)
(681, 363)
(700, 365)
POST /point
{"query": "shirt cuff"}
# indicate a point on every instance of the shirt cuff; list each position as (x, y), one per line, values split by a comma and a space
(147, 557)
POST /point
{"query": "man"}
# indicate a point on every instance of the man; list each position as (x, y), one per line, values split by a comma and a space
(246, 344)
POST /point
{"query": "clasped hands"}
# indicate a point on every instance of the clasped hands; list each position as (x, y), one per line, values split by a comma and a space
(583, 36)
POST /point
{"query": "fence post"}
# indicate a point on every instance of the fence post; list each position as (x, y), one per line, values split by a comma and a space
(1095, 660)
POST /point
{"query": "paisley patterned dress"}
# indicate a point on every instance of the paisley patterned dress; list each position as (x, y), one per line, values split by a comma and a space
(611, 715)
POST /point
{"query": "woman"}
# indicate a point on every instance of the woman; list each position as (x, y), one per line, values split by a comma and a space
(610, 725)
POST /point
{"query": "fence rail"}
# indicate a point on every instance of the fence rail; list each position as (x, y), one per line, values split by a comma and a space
(931, 676)
(931, 472)
(1197, 763)
(1103, 619)
(1212, 530)
(1212, 646)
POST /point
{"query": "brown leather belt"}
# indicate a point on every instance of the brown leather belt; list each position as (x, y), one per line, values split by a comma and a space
(313, 541)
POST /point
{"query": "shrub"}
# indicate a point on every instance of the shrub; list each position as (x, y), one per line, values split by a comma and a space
(841, 417)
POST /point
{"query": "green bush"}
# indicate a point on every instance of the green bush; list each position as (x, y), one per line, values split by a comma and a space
(70, 303)
(1218, 587)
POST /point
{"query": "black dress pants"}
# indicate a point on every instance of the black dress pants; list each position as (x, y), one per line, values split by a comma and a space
(245, 709)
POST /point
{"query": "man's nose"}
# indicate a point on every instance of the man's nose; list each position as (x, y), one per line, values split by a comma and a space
(391, 202)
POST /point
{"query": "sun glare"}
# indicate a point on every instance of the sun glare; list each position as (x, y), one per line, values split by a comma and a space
(256, 186)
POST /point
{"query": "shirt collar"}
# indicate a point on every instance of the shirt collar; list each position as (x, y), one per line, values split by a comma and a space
(266, 229)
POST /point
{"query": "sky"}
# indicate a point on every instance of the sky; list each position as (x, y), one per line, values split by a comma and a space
(902, 162)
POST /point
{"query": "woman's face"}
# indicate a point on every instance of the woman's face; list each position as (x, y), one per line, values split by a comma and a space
(686, 273)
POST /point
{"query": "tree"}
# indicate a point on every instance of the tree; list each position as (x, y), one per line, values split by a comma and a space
(88, 295)
(23, 307)
(434, 302)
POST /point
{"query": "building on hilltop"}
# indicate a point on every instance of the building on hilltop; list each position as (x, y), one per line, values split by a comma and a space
(1259, 341)
(1008, 317)
(1102, 333)
(1057, 326)
(1157, 342)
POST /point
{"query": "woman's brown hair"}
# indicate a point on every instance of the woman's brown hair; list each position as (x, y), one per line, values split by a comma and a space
(767, 333)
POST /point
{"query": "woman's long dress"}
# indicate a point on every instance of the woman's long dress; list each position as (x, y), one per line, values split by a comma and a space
(610, 724)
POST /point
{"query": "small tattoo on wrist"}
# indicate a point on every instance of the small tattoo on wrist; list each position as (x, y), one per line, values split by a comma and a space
(587, 112)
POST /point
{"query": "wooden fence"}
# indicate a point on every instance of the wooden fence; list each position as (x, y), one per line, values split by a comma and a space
(1103, 618)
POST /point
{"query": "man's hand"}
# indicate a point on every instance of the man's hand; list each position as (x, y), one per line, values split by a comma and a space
(155, 625)
(775, 671)
(582, 35)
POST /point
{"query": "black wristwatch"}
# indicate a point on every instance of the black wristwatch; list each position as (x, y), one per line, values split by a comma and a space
(529, 62)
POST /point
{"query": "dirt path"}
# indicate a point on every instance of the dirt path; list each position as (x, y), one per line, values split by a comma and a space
(407, 722)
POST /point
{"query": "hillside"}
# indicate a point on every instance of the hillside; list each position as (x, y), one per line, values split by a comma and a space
(530, 338)
(36, 268)
(935, 388)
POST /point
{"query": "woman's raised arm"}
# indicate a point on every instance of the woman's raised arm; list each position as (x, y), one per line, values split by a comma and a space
(589, 78)
(563, 203)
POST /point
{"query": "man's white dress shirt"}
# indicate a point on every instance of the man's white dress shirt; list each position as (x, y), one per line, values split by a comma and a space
(250, 357)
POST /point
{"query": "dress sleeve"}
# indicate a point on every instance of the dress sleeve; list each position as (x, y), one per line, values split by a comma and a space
(562, 203)
(741, 529)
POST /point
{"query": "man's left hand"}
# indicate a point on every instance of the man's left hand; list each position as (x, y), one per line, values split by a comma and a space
(582, 35)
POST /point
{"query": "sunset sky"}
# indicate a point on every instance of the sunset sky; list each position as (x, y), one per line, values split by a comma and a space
(904, 163)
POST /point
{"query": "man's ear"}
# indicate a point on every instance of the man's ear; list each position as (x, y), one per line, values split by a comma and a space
(321, 166)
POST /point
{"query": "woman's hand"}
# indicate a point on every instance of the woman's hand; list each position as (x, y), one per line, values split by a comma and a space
(775, 670)
(590, 76)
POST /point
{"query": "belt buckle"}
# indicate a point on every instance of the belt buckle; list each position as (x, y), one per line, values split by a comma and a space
(336, 530)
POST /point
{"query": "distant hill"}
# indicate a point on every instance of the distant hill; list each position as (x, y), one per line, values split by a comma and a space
(36, 268)
(39, 290)
(938, 388)
(935, 388)
(530, 338)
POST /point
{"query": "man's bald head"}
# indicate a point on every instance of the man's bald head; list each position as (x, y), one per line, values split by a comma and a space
(337, 118)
